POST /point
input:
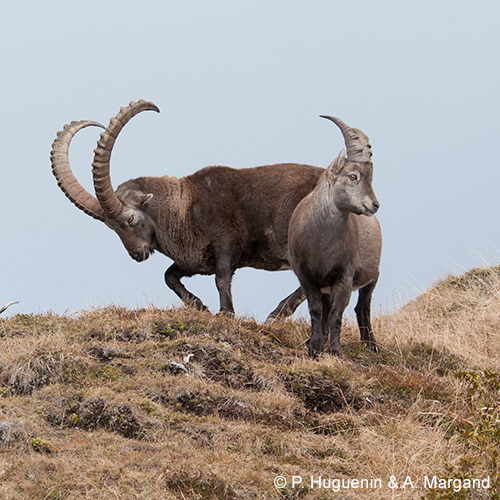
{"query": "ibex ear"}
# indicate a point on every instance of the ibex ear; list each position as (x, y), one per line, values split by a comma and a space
(338, 164)
(146, 199)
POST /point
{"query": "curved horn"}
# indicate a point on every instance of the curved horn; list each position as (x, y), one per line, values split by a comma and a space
(356, 142)
(110, 203)
(65, 179)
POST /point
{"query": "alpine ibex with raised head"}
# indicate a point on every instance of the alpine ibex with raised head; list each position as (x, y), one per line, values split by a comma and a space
(214, 221)
(334, 244)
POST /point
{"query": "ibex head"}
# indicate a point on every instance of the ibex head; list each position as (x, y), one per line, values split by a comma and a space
(126, 211)
(133, 224)
(351, 177)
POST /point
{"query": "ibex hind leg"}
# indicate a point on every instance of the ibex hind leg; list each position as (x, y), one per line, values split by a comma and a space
(288, 305)
(363, 315)
(173, 277)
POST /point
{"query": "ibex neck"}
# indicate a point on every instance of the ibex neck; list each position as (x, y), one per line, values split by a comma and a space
(323, 200)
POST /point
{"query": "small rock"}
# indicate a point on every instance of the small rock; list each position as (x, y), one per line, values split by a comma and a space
(106, 353)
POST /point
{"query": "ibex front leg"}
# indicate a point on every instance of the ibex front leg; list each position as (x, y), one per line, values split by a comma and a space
(314, 296)
(173, 277)
(340, 295)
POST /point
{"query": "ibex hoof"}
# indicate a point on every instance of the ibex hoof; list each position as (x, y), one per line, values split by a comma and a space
(229, 314)
(335, 352)
(277, 314)
(313, 352)
(198, 305)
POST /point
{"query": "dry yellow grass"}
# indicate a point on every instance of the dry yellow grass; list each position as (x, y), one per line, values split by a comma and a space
(459, 314)
(173, 404)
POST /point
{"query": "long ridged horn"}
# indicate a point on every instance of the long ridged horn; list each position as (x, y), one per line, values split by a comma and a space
(356, 142)
(110, 203)
(65, 179)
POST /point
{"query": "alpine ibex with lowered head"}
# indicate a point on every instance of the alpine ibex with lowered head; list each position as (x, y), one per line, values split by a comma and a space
(334, 244)
(214, 221)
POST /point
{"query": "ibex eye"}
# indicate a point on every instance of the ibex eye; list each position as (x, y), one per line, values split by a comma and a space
(130, 219)
(352, 177)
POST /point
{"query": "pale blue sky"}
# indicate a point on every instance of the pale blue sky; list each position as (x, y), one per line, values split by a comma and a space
(242, 84)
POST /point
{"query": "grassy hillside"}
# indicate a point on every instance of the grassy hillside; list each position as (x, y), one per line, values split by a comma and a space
(172, 404)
